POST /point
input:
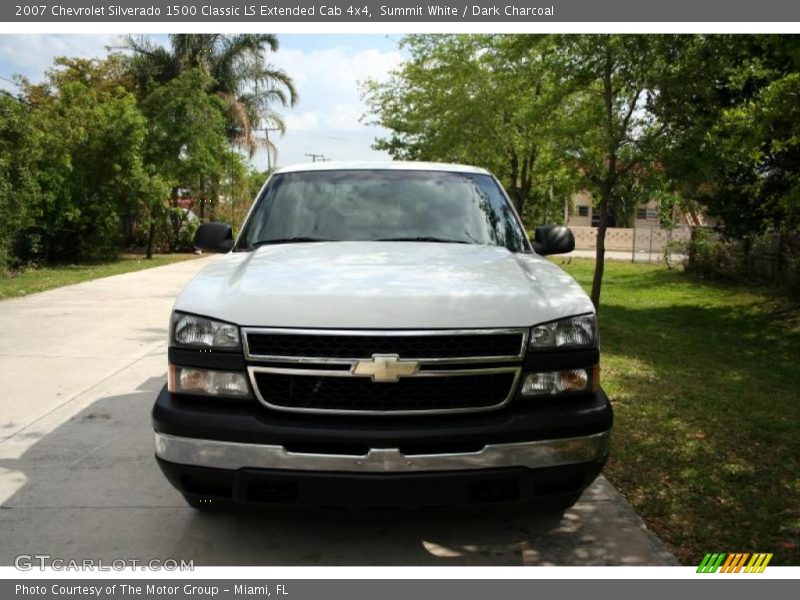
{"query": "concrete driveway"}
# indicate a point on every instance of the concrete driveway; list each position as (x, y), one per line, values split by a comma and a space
(79, 369)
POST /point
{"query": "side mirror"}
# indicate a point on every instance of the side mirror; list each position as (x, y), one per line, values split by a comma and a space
(214, 237)
(553, 239)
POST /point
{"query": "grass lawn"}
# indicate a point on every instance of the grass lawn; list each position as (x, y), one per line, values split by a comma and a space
(30, 281)
(705, 383)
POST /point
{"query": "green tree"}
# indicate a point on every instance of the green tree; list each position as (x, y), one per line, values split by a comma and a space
(616, 140)
(766, 131)
(240, 75)
(548, 114)
(256, 178)
(20, 155)
(730, 107)
(484, 100)
(91, 134)
(153, 209)
(187, 144)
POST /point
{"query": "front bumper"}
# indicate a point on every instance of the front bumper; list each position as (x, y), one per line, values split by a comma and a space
(233, 455)
(240, 452)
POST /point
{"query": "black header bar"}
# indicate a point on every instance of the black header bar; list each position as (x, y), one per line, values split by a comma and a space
(409, 11)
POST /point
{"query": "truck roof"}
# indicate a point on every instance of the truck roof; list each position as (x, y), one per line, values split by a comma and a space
(394, 165)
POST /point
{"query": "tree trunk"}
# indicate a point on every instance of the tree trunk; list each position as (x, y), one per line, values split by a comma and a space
(214, 199)
(607, 188)
(151, 236)
(174, 222)
(600, 251)
(513, 190)
(517, 199)
(525, 181)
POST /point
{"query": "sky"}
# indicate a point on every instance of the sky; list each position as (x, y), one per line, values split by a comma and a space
(326, 70)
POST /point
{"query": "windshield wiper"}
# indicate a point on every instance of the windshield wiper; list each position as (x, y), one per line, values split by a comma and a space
(301, 239)
(422, 239)
(290, 240)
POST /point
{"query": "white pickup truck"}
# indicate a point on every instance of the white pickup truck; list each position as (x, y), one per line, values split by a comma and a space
(382, 334)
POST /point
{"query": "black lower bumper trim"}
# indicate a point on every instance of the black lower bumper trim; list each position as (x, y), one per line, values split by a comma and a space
(271, 487)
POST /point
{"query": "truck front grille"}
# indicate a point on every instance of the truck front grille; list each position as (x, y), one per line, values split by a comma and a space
(406, 344)
(357, 394)
(384, 372)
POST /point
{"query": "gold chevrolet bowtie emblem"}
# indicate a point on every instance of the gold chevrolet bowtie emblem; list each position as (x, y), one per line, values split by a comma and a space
(385, 367)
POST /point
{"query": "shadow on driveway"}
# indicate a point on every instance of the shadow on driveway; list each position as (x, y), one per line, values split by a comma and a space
(91, 489)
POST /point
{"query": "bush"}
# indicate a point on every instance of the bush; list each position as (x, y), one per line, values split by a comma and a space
(19, 156)
(710, 257)
(773, 257)
(186, 235)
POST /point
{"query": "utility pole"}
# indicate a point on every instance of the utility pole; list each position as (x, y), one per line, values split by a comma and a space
(317, 157)
(266, 131)
(230, 191)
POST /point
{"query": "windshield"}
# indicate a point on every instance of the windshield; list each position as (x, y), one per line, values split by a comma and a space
(383, 205)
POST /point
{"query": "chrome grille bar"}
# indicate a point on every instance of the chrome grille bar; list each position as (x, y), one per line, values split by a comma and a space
(250, 356)
(304, 366)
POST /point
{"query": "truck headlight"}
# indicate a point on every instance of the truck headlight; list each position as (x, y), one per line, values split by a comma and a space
(552, 383)
(200, 332)
(190, 380)
(572, 332)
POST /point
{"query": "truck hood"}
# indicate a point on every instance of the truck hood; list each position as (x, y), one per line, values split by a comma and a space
(383, 285)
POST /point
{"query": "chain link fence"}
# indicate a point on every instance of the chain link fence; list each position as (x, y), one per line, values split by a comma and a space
(772, 257)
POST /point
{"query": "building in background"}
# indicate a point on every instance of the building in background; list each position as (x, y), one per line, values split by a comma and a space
(647, 215)
(645, 236)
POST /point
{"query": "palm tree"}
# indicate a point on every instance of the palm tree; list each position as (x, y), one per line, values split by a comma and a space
(248, 84)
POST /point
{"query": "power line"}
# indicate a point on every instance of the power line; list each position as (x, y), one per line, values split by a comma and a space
(11, 81)
(330, 137)
(304, 132)
(13, 97)
(322, 135)
(73, 46)
(9, 94)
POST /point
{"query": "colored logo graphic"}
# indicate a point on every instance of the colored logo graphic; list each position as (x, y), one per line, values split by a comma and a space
(735, 563)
